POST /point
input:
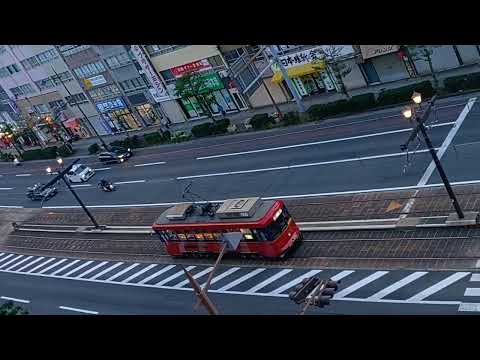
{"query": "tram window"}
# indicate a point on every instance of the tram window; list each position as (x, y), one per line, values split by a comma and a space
(182, 237)
(218, 236)
(278, 226)
(247, 234)
(199, 236)
(209, 236)
(191, 237)
(259, 235)
(172, 235)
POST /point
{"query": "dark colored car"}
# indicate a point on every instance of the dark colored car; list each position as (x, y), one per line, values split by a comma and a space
(37, 192)
(115, 155)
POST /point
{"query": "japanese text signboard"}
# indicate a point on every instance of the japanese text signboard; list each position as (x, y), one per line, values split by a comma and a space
(199, 65)
(114, 104)
(309, 56)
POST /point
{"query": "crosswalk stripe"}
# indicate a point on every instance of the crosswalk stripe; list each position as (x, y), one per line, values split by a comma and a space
(10, 261)
(438, 286)
(77, 268)
(473, 307)
(91, 270)
(222, 275)
(294, 282)
(19, 263)
(196, 276)
(117, 275)
(472, 292)
(159, 272)
(1, 254)
(241, 279)
(39, 266)
(174, 276)
(268, 281)
(342, 274)
(138, 273)
(475, 277)
(376, 275)
(395, 286)
(114, 266)
(6, 257)
(65, 267)
(31, 263)
(52, 266)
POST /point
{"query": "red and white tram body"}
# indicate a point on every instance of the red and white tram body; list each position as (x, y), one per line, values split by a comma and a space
(266, 227)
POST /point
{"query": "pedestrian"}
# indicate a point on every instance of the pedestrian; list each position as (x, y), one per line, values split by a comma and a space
(222, 110)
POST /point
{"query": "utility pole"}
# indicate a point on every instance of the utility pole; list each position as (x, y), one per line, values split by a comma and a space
(421, 128)
(296, 95)
(81, 110)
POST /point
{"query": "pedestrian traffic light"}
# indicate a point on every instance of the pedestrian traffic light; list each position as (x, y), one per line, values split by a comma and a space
(329, 289)
(302, 290)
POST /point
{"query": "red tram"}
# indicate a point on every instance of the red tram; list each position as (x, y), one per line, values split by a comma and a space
(267, 228)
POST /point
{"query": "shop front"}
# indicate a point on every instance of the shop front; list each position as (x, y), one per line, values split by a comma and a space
(385, 63)
(308, 71)
(147, 111)
(116, 115)
(74, 126)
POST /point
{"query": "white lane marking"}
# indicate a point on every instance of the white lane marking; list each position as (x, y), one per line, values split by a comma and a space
(10, 207)
(106, 270)
(19, 263)
(91, 269)
(130, 182)
(472, 292)
(196, 276)
(52, 266)
(81, 185)
(6, 188)
(15, 299)
(76, 269)
(268, 281)
(288, 167)
(42, 264)
(314, 143)
(150, 164)
(6, 257)
(102, 169)
(376, 275)
(221, 276)
(470, 307)
(397, 285)
(23, 175)
(117, 275)
(477, 265)
(294, 282)
(174, 276)
(475, 277)
(138, 273)
(78, 310)
(10, 261)
(241, 279)
(30, 263)
(161, 271)
(64, 267)
(458, 123)
(438, 286)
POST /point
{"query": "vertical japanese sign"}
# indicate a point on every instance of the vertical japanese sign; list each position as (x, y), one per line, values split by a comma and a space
(161, 92)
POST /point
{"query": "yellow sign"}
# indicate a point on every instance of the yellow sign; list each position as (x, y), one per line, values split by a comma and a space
(394, 205)
(88, 84)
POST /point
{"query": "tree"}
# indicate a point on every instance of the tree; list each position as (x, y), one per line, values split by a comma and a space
(194, 84)
(424, 53)
(340, 69)
(9, 308)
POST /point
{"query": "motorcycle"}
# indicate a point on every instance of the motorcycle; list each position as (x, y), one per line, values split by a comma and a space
(106, 186)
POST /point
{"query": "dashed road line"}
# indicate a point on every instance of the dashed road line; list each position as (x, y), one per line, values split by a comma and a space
(15, 299)
(150, 164)
(23, 175)
(78, 310)
(472, 292)
(130, 182)
(469, 307)
(102, 169)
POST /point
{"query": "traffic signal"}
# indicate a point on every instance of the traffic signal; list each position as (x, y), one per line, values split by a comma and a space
(302, 290)
(329, 289)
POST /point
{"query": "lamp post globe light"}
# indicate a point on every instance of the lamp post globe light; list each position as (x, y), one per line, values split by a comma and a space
(49, 170)
(407, 112)
(417, 97)
(59, 161)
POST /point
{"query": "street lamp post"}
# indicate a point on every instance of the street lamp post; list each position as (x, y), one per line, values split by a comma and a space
(410, 113)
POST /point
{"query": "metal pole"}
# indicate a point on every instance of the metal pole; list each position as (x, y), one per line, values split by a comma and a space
(298, 99)
(440, 170)
(210, 276)
(314, 293)
(81, 203)
(203, 297)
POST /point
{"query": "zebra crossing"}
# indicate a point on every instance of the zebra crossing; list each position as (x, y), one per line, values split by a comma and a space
(399, 286)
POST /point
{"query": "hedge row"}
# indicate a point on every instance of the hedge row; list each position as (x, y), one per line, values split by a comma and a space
(48, 153)
(404, 93)
(209, 128)
(462, 82)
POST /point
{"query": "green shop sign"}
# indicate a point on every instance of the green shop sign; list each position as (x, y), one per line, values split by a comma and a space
(212, 82)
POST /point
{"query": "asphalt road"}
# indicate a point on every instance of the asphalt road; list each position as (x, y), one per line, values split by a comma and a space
(355, 153)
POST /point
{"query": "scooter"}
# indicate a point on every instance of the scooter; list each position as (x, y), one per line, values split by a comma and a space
(106, 187)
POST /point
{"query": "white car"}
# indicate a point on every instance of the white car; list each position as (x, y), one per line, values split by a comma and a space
(79, 173)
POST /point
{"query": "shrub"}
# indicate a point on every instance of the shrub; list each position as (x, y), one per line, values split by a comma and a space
(462, 82)
(65, 150)
(118, 143)
(133, 142)
(221, 126)
(291, 118)
(362, 102)
(94, 148)
(261, 121)
(202, 130)
(180, 136)
(153, 138)
(40, 154)
(404, 93)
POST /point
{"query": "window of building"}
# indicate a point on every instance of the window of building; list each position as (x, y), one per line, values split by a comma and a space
(104, 92)
(90, 69)
(167, 75)
(41, 109)
(12, 69)
(37, 60)
(132, 84)
(45, 84)
(22, 90)
(30, 63)
(57, 104)
(76, 99)
(4, 72)
(64, 76)
(118, 60)
(162, 49)
(232, 55)
(216, 61)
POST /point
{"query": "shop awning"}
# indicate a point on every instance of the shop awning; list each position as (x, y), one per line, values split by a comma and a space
(296, 71)
(72, 123)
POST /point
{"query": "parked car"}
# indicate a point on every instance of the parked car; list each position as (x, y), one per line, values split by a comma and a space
(37, 192)
(79, 173)
(115, 155)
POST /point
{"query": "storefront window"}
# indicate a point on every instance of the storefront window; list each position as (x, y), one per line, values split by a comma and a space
(147, 112)
(125, 119)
